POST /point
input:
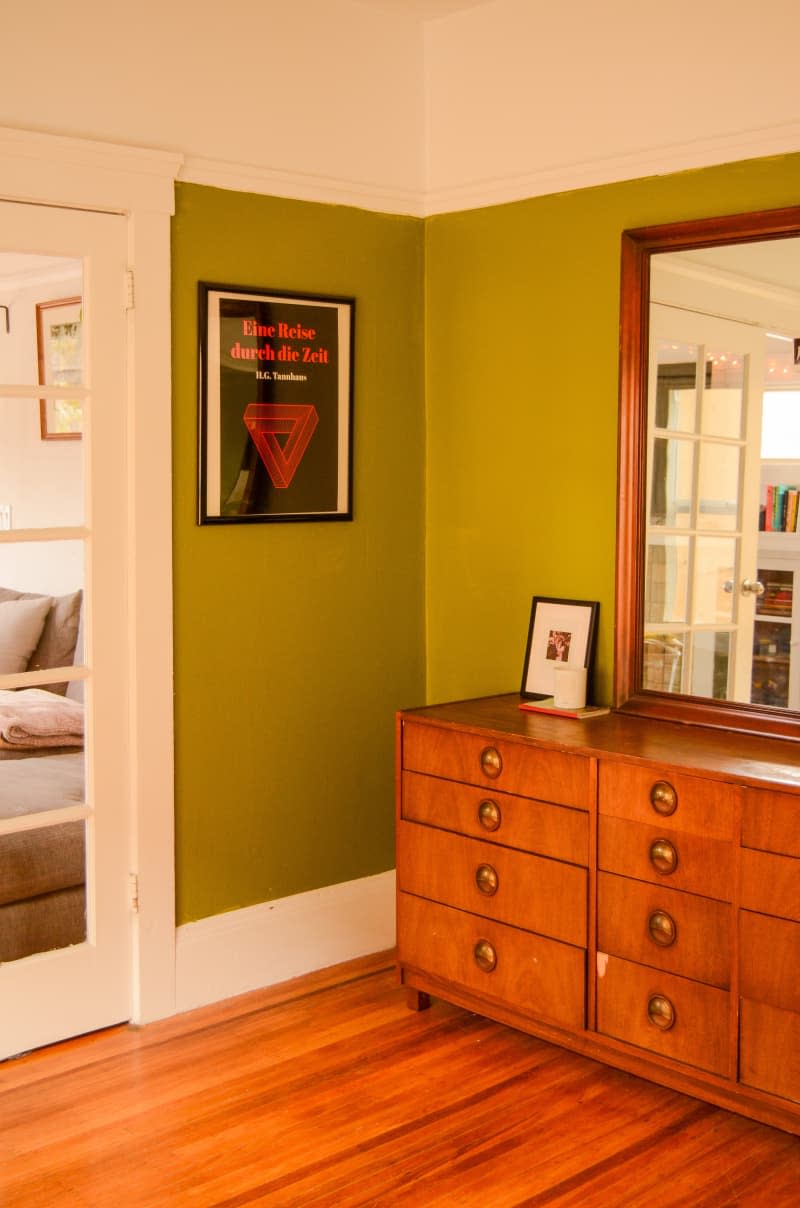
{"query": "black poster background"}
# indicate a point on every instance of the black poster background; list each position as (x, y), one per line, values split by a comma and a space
(246, 488)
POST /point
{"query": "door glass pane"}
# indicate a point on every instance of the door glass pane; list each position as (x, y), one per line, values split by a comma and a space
(718, 486)
(713, 577)
(671, 490)
(42, 871)
(667, 576)
(723, 410)
(41, 480)
(41, 320)
(710, 663)
(662, 670)
(676, 386)
(41, 607)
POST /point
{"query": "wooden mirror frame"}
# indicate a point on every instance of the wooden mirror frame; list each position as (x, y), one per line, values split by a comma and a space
(638, 246)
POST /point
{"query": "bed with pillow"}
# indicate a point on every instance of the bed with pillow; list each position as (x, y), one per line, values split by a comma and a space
(42, 872)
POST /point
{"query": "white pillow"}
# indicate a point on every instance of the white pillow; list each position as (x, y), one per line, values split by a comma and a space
(21, 625)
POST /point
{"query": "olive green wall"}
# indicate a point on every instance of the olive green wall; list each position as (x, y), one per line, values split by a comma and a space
(522, 312)
(295, 643)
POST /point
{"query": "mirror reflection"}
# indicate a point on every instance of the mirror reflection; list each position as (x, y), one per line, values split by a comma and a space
(42, 812)
(721, 613)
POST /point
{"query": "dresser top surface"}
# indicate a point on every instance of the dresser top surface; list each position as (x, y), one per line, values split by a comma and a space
(742, 758)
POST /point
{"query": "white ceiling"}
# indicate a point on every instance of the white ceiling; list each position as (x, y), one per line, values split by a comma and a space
(424, 9)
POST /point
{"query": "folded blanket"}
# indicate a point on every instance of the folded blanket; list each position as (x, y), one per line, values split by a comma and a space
(33, 717)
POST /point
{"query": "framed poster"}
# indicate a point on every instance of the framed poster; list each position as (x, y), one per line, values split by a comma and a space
(59, 347)
(276, 426)
(560, 631)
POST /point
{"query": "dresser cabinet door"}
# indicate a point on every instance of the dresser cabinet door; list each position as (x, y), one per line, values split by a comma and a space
(538, 977)
(771, 822)
(771, 884)
(769, 955)
(770, 1049)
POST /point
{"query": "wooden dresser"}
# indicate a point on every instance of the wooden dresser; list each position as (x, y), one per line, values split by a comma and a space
(629, 889)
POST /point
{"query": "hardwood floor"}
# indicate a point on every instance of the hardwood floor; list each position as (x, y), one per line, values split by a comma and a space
(328, 1092)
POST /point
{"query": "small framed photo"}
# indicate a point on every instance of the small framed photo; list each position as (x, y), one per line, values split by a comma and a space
(275, 406)
(560, 631)
(59, 340)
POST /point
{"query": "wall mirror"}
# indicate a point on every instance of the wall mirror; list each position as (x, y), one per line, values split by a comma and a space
(708, 538)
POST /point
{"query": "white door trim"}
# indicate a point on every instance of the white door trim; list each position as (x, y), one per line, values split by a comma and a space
(51, 170)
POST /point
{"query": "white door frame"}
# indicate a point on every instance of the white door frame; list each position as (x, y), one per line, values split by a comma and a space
(139, 184)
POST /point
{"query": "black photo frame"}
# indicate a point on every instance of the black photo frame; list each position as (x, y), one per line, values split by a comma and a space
(560, 631)
(276, 406)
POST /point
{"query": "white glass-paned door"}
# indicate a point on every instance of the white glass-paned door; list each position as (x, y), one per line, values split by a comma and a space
(703, 484)
(64, 800)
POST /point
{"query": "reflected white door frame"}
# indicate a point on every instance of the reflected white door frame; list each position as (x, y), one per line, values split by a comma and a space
(139, 184)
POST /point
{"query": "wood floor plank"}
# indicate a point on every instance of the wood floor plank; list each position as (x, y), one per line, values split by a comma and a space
(328, 1093)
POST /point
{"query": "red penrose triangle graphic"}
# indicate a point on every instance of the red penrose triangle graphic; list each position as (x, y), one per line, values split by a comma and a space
(266, 422)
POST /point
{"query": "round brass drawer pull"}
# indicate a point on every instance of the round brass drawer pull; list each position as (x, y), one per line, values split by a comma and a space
(491, 762)
(489, 815)
(663, 798)
(485, 956)
(662, 929)
(663, 856)
(661, 1012)
(486, 879)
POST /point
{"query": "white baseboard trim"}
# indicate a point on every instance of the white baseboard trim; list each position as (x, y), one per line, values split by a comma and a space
(262, 945)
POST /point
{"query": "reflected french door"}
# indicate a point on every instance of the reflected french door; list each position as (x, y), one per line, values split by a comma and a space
(62, 538)
(702, 503)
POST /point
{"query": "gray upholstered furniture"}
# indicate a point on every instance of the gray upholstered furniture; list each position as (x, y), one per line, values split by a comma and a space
(42, 870)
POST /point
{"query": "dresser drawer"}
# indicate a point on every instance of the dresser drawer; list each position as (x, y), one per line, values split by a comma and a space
(540, 977)
(629, 997)
(771, 822)
(768, 956)
(771, 884)
(666, 857)
(550, 830)
(770, 1049)
(665, 928)
(512, 767)
(527, 891)
(685, 803)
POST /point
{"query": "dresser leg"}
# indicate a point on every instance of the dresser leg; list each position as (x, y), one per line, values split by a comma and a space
(417, 1000)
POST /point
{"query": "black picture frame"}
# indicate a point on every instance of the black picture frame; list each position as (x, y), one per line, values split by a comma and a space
(559, 631)
(275, 405)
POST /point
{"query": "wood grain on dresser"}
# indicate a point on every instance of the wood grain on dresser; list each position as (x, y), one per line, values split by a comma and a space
(625, 887)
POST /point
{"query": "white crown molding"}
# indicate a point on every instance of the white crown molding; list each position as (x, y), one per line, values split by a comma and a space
(252, 178)
(652, 161)
(476, 194)
(115, 173)
(82, 173)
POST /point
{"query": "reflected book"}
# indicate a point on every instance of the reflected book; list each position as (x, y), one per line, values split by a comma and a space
(548, 705)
